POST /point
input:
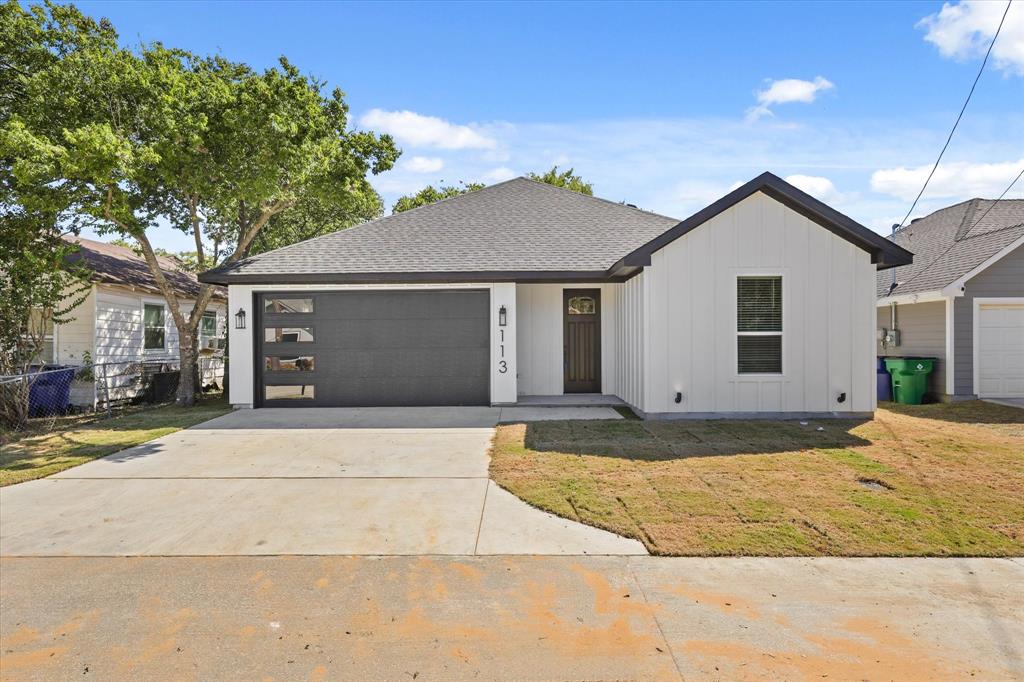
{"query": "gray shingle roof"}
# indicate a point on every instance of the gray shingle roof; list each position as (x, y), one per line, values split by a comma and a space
(514, 226)
(953, 241)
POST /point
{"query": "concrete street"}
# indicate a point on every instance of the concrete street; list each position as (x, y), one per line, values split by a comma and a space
(511, 618)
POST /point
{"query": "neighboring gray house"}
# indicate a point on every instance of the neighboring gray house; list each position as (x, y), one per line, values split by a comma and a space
(761, 303)
(962, 299)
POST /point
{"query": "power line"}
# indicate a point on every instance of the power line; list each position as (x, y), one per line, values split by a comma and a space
(962, 110)
(973, 225)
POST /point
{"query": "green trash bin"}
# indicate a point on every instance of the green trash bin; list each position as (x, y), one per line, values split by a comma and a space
(909, 378)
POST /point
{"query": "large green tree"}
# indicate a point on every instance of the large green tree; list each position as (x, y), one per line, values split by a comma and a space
(212, 147)
(566, 180)
(430, 194)
(39, 286)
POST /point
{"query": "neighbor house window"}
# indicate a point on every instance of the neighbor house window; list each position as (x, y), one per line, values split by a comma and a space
(208, 330)
(39, 337)
(759, 325)
(153, 329)
(288, 305)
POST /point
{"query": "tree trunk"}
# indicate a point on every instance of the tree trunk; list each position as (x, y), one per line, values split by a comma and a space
(187, 376)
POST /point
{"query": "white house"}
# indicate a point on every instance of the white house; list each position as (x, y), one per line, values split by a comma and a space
(760, 304)
(124, 322)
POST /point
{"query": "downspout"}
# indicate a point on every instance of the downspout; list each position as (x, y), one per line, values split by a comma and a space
(892, 287)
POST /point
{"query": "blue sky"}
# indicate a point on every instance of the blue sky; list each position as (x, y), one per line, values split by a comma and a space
(666, 106)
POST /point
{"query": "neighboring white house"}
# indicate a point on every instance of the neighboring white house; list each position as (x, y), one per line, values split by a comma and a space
(760, 304)
(124, 322)
(962, 300)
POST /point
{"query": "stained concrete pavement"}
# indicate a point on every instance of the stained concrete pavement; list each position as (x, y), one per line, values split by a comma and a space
(510, 618)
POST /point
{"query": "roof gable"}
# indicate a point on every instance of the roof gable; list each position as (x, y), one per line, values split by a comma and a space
(883, 252)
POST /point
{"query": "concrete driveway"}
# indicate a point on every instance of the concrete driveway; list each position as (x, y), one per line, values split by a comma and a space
(370, 481)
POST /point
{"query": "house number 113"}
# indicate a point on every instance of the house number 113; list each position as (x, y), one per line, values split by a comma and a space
(502, 364)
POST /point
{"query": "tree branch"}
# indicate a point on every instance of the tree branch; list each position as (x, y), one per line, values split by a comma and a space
(194, 214)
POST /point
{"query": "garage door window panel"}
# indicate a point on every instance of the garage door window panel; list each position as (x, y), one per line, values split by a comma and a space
(289, 363)
(289, 392)
(288, 335)
(288, 305)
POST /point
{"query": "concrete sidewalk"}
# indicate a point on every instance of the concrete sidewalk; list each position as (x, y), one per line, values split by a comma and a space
(361, 481)
(507, 618)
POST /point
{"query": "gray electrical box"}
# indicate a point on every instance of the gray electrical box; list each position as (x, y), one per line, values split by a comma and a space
(889, 338)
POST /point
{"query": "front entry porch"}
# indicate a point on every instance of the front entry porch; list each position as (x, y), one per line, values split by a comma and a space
(570, 400)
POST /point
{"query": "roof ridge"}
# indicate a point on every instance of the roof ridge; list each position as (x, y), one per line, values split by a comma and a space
(966, 223)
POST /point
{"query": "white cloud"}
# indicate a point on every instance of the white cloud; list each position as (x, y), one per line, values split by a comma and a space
(418, 130)
(952, 181)
(499, 174)
(787, 90)
(423, 164)
(964, 30)
(817, 186)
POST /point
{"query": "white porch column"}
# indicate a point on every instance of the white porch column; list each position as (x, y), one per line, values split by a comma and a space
(503, 343)
(240, 346)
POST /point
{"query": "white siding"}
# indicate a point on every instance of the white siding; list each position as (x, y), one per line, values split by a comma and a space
(74, 340)
(627, 327)
(119, 325)
(540, 323)
(828, 316)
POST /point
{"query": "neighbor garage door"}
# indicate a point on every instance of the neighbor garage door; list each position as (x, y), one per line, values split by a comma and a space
(373, 348)
(1000, 350)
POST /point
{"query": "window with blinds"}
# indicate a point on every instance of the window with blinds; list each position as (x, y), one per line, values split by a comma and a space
(759, 325)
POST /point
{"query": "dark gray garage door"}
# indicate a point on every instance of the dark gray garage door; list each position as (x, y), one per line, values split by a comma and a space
(372, 348)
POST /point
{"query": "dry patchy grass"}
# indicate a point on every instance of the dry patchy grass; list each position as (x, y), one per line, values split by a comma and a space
(931, 480)
(70, 441)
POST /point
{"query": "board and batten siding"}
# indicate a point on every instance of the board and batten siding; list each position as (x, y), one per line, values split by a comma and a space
(1004, 278)
(627, 304)
(540, 326)
(689, 316)
(922, 332)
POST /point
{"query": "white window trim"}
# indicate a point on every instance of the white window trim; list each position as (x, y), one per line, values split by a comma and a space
(975, 327)
(154, 351)
(736, 333)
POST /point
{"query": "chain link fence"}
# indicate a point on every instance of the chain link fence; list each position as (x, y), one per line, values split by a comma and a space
(40, 397)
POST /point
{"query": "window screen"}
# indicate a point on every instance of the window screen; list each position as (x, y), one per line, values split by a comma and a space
(759, 325)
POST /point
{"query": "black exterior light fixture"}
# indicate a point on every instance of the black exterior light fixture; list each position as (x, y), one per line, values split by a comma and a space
(240, 319)
(502, 316)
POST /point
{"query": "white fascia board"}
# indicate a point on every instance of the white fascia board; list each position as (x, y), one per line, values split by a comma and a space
(956, 288)
(907, 299)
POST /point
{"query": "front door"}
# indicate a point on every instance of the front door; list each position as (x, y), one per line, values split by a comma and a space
(581, 310)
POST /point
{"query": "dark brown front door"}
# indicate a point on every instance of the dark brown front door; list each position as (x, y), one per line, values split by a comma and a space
(581, 309)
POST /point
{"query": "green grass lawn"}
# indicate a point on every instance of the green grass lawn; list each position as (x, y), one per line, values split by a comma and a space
(930, 480)
(48, 446)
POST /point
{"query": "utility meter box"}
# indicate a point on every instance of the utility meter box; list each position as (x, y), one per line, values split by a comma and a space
(889, 337)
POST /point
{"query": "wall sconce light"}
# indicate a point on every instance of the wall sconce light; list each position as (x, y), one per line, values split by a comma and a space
(502, 316)
(240, 319)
